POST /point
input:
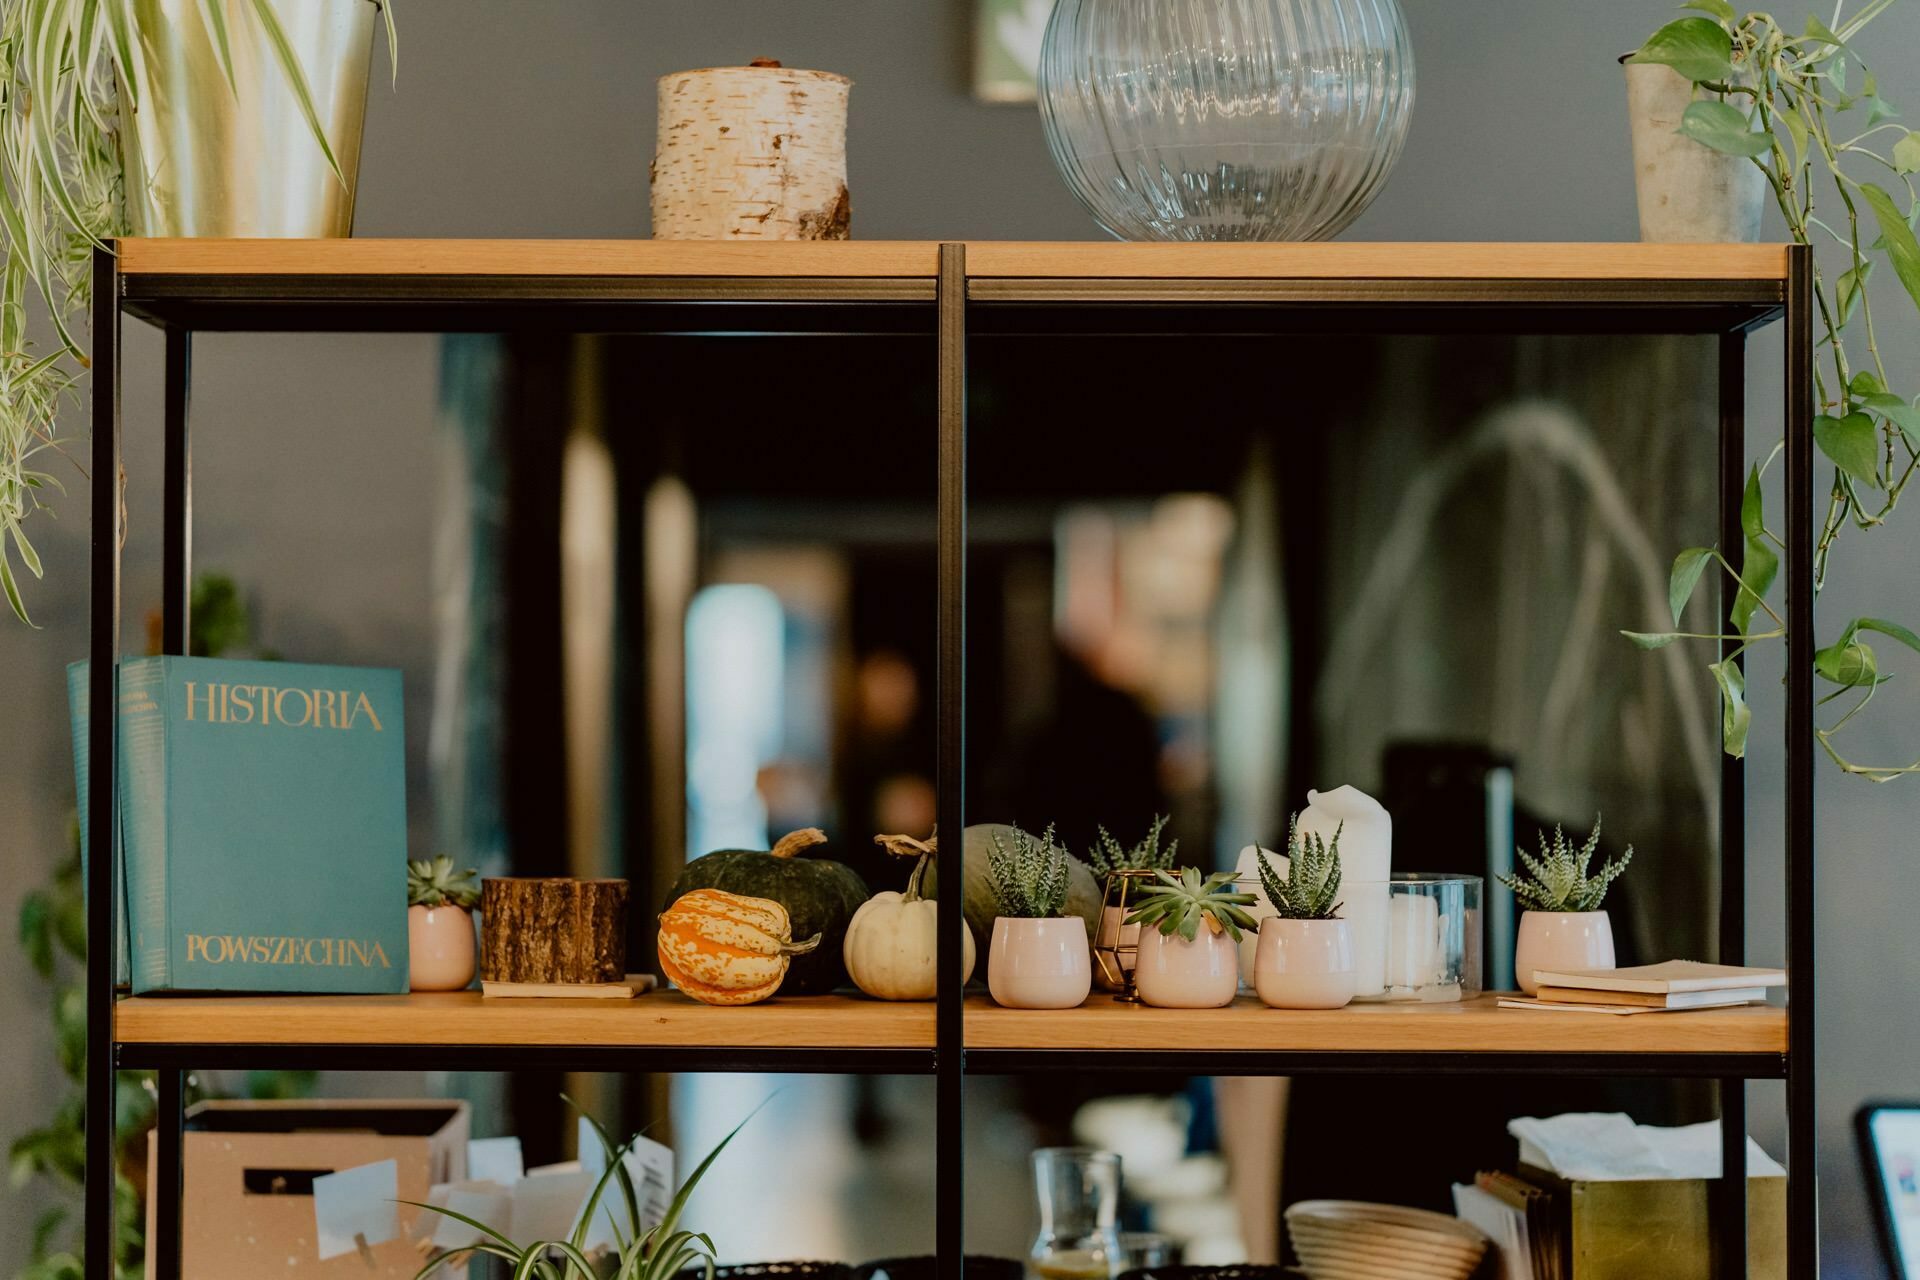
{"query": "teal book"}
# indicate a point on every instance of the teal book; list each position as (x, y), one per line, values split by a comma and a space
(263, 826)
(79, 699)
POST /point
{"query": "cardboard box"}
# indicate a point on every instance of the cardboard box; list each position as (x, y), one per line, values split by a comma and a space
(1633, 1230)
(249, 1170)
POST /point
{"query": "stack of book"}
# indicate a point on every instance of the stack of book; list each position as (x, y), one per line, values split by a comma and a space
(1672, 987)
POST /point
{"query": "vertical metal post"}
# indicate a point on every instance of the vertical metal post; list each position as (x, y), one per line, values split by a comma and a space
(1803, 1200)
(176, 577)
(170, 1118)
(103, 697)
(1730, 1193)
(950, 1031)
(176, 617)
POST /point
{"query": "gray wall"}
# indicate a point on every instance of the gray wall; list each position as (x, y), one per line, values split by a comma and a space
(516, 119)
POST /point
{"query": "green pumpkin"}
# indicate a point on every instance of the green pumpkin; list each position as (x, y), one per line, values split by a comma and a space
(820, 896)
(980, 901)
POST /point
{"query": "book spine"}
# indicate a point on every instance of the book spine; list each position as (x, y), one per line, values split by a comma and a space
(79, 707)
(144, 819)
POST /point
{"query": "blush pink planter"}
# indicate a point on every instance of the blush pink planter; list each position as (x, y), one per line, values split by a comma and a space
(1304, 964)
(439, 948)
(1039, 964)
(1561, 940)
(1172, 973)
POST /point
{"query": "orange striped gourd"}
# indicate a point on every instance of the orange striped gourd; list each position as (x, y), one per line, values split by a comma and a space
(726, 948)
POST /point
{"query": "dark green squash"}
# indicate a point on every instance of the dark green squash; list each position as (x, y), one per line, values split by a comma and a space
(820, 896)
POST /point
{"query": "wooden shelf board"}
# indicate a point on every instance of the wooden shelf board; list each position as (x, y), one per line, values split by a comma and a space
(986, 259)
(842, 259)
(1378, 261)
(658, 1019)
(1472, 1026)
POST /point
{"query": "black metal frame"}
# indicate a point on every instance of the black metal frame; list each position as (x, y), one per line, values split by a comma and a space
(949, 307)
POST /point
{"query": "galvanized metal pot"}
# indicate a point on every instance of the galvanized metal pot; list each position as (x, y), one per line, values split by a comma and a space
(204, 160)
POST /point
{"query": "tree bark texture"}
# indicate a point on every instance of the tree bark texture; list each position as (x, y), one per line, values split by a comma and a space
(553, 930)
(752, 153)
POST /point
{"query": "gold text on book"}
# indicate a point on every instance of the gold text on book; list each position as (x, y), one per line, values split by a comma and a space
(231, 948)
(268, 704)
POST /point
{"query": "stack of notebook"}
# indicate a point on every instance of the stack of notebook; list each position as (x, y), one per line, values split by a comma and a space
(1522, 1221)
(1650, 988)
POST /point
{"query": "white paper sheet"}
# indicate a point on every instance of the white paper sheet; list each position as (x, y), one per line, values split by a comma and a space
(356, 1204)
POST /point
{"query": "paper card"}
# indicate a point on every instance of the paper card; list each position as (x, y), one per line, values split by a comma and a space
(547, 1202)
(356, 1206)
(495, 1160)
(593, 1152)
(487, 1202)
(650, 1165)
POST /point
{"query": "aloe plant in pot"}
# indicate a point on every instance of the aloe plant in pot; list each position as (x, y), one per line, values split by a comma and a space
(1305, 956)
(1803, 105)
(154, 118)
(1039, 958)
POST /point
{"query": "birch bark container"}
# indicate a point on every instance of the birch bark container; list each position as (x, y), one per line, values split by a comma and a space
(752, 153)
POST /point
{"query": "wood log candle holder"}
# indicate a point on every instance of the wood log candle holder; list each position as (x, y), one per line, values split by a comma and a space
(752, 153)
(553, 932)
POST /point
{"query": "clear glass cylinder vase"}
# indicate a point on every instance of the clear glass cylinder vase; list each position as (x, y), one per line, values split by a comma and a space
(1225, 119)
(1079, 1194)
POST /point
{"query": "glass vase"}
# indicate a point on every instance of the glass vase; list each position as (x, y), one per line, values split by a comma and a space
(1079, 1193)
(1225, 119)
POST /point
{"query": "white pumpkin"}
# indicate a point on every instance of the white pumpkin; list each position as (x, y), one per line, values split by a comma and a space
(893, 941)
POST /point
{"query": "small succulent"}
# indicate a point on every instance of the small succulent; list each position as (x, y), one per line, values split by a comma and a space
(1108, 856)
(1177, 904)
(434, 883)
(1311, 890)
(1558, 881)
(1030, 878)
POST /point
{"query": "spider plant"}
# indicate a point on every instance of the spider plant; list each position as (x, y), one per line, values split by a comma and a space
(658, 1253)
(69, 76)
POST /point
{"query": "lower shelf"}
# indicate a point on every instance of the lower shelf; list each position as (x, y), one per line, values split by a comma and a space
(1470, 1035)
(665, 1031)
(662, 1030)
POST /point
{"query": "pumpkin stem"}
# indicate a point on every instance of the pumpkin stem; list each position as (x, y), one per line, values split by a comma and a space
(794, 841)
(801, 948)
(908, 847)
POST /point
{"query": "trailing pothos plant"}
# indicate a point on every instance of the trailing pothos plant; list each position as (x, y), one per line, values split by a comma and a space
(1803, 105)
(68, 71)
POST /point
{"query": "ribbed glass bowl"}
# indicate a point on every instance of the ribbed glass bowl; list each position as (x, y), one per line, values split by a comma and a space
(1225, 119)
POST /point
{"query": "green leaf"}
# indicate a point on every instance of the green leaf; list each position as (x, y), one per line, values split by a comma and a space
(1753, 521)
(1796, 125)
(1906, 153)
(1865, 383)
(1898, 412)
(1818, 30)
(1735, 714)
(1879, 109)
(214, 14)
(1885, 628)
(1902, 248)
(1719, 9)
(1758, 564)
(1698, 48)
(1852, 443)
(12, 589)
(1723, 127)
(1849, 664)
(1687, 568)
(1651, 639)
(1849, 290)
(289, 61)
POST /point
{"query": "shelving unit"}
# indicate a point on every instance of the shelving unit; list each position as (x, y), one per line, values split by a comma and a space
(946, 291)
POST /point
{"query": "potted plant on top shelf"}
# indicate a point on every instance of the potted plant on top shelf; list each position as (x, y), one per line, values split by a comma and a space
(1123, 872)
(1188, 955)
(163, 118)
(1802, 105)
(1038, 958)
(1305, 956)
(439, 928)
(1561, 923)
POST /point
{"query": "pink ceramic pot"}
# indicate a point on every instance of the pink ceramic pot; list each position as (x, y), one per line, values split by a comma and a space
(1561, 940)
(1039, 964)
(1304, 964)
(1172, 973)
(439, 948)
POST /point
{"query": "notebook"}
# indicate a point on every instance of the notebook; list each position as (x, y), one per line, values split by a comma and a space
(1655, 1000)
(1662, 979)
